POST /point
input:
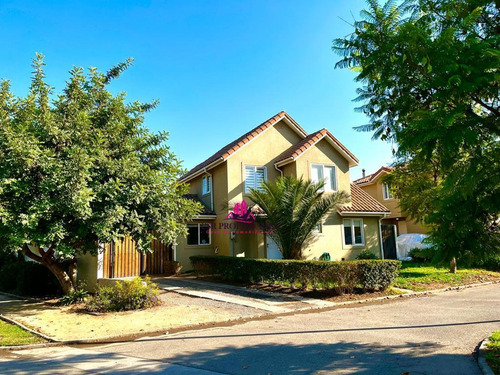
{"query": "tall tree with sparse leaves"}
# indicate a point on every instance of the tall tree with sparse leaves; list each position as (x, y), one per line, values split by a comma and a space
(430, 76)
(80, 168)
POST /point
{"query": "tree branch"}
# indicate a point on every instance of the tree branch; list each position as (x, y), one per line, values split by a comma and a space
(31, 255)
(488, 107)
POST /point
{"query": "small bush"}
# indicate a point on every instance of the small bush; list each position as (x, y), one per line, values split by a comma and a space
(342, 276)
(422, 255)
(76, 296)
(125, 295)
(366, 254)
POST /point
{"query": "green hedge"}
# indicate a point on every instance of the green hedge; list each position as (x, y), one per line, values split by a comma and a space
(343, 276)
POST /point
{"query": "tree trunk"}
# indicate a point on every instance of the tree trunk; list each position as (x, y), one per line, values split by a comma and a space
(46, 258)
(453, 265)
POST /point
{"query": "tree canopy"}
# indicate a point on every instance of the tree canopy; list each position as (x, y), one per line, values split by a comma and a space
(80, 167)
(430, 81)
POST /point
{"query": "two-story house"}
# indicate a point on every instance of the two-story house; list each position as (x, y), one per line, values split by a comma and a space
(277, 147)
(373, 185)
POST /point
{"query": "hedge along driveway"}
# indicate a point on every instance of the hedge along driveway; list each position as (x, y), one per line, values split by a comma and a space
(342, 276)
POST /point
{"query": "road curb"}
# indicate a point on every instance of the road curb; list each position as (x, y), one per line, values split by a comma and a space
(481, 358)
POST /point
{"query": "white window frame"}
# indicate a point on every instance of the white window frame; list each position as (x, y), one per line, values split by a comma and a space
(352, 232)
(208, 185)
(335, 182)
(198, 225)
(318, 229)
(255, 167)
(386, 192)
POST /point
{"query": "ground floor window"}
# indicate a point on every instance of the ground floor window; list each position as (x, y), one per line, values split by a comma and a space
(198, 234)
(353, 232)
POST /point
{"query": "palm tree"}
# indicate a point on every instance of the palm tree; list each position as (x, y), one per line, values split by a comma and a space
(294, 208)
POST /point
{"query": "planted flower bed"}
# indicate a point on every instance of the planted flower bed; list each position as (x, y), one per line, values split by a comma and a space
(342, 276)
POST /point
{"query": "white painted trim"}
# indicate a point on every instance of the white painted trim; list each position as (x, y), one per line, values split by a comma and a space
(100, 260)
(312, 164)
(199, 233)
(362, 213)
(381, 242)
(202, 217)
(244, 175)
(175, 253)
(333, 143)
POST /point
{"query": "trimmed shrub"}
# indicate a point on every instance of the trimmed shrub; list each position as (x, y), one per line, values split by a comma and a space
(342, 276)
(125, 295)
(366, 254)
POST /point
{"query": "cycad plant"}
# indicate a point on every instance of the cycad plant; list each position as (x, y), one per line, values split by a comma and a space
(294, 208)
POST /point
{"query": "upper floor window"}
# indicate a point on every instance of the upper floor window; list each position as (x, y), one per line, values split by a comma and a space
(386, 189)
(206, 185)
(353, 232)
(327, 173)
(254, 177)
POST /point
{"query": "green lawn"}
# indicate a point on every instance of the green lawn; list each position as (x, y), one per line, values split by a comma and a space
(493, 354)
(11, 334)
(422, 276)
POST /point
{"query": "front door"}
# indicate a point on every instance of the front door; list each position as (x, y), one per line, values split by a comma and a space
(273, 251)
(389, 241)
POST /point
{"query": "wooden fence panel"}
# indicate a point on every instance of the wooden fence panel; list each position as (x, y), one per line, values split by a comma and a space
(121, 259)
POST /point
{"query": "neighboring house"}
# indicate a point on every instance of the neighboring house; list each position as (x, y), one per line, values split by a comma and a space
(373, 185)
(277, 147)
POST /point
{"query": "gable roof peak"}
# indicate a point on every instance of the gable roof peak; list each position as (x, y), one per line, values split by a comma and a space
(229, 149)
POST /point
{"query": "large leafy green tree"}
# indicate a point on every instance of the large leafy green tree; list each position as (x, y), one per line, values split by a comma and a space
(430, 77)
(79, 168)
(293, 210)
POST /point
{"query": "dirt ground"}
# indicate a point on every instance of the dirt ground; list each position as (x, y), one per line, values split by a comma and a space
(70, 323)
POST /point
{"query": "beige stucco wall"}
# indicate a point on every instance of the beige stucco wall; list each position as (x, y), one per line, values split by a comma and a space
(87, 270)
(406, 225)
(323, 153)
(331, 240)
(261, 151)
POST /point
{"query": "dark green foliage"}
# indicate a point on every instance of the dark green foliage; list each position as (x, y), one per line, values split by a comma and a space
(366, 254)
(430, 79)
(26, 278)
(79, 167)
(294, 208)
(422, 255)
(125, 295)
(343, 276)
(75, 296)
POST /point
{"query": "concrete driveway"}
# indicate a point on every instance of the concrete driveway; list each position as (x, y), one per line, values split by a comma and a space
(425, 335)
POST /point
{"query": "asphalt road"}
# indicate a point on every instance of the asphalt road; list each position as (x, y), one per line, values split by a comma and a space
(426, 335)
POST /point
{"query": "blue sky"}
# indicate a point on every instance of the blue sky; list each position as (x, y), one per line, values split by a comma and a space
(219, 68)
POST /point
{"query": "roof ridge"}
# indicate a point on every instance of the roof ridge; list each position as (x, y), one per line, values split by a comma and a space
(224, 152)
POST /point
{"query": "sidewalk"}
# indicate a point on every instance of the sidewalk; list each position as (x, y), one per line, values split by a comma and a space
(262, 300)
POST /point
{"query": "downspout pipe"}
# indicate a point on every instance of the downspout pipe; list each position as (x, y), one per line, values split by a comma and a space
(380, 235)
(279, 170)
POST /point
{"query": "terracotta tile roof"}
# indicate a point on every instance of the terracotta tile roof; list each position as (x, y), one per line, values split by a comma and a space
(361, 201)
(234, 146)
(206, 210)
(371, 177)
(296, 150)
